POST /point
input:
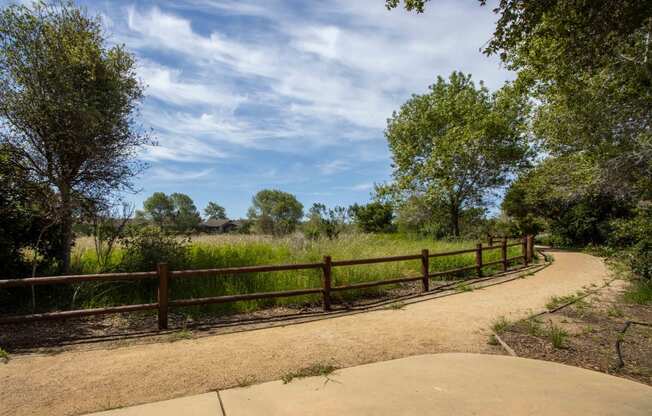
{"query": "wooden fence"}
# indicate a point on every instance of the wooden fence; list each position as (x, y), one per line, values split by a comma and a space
(163, 274)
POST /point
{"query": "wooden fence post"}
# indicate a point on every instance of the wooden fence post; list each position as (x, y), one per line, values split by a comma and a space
(425, 269)
(491, 240)
(503, 254)
(478, 259)
(163, 295)
(327, 283)
(530, 248)
(524, 250)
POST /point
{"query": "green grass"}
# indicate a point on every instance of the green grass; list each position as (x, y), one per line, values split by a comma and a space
(639, 292)
(557, 301)
(314, 370)
(500, 324)
(557, 336)
(396, 306)
(4, 356)
(243, 250)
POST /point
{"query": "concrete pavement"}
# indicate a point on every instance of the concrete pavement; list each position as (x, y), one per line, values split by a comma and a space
(438, 384)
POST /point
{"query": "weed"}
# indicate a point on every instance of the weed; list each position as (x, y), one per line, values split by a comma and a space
(463, 287)
(4, 356)
(557, 335)
(183, 334)
(533, 327)
(493, 340)
(246, 382)
(557, 301)
(615, 312)
(500, 324)
(639, 292)
(396, 306)
(313, 370)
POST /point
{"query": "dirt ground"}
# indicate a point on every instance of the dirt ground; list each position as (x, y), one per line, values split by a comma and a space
(78, 381)
(592, 325)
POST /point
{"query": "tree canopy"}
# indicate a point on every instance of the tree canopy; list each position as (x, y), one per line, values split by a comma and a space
(67, 105)
(175, 212)
(275, 212)
(214, 211)
(457, 143)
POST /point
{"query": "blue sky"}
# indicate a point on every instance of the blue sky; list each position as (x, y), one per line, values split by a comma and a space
(244, 95)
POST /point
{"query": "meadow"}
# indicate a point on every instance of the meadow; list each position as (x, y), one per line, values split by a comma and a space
(216, 251)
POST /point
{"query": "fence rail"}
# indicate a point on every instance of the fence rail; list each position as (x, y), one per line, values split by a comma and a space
(163, 274)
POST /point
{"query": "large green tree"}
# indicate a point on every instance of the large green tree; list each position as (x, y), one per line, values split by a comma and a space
(67, 106)
(456, 144)
(215, 211)
(176, 211)
(589, 66)
(275, 212)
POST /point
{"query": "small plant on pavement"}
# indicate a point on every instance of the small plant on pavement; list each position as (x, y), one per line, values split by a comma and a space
(313, 370)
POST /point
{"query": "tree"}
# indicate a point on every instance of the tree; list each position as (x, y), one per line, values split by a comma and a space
(214, 211)
(158, 208)
(562, 191)
(184, 213)
(456, 144)
(374, 217)
(275, 212)
(325, 221)
(588, 65)
(67, 106)
(177, 211)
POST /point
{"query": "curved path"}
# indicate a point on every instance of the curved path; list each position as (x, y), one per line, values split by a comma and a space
(84, 381)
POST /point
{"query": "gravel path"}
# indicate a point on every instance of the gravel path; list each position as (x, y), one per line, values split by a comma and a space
(77, 382)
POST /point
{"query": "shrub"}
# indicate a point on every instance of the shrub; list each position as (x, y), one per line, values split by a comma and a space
(144, 248)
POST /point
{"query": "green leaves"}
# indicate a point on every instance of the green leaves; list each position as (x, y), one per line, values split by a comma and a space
(275, 212)
(457, 143)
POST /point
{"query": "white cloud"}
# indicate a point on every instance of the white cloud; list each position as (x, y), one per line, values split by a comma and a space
(166, 85)
(170, 175)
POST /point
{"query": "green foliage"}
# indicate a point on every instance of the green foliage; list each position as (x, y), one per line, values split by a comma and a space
(275, 212)
(639, 292)
(557, 335)
(562, 194)
(311, 371)
(238, 250)
(214, 211)
(4, 356)
(456, 144)
(175, 212)
(325, 222)
(375, 217)
(144, 248)
(500, 324)
(67, 105)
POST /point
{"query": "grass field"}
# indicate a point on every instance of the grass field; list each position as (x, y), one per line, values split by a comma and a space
(215, 251)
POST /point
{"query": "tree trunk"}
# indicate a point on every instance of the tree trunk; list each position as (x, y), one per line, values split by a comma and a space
(66, 228)
(455, 220)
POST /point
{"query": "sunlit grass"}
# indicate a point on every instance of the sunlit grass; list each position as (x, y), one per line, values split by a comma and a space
(217, 251)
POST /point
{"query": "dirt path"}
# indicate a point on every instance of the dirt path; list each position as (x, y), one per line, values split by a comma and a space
(83, 381)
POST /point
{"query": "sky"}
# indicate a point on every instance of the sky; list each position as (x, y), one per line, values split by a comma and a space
(244, 95)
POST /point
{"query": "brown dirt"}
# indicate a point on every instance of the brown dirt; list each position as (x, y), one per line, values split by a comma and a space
(593, 325)
(79, 381)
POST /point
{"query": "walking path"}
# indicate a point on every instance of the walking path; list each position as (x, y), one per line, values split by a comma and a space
(441, 384)
(79, 382)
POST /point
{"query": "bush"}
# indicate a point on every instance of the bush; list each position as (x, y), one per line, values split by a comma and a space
(144, 248)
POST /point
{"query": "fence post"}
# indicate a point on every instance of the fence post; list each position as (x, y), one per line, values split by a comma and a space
(524, 250)
(327, 283)
(503, 254)
(530, 248)
(163, 294)
(491, 240)
(425, 269)
(478, 259)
